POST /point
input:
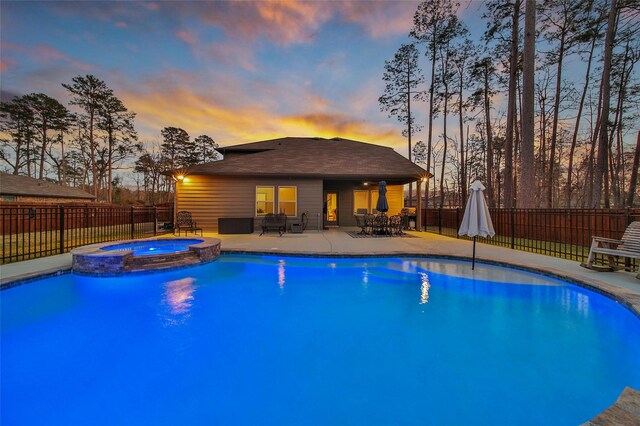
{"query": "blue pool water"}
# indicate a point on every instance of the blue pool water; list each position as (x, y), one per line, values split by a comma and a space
(267, 340)
(154, 247)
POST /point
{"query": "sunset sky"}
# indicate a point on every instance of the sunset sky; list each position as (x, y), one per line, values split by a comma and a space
(236, 71)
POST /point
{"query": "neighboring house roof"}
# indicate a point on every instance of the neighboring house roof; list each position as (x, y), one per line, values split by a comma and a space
(27, 186)
(313, 157)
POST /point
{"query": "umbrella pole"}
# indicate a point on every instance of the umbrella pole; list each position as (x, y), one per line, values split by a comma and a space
(473, 259)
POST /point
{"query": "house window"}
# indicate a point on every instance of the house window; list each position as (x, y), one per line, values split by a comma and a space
(361, 202)
(364, 200)
(374, 199)
(288, 200)
(264, 200)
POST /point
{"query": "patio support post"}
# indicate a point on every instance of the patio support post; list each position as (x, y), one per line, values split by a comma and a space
(419, 206)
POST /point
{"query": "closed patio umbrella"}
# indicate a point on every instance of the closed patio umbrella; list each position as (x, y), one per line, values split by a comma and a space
(476, 220)
(382, 205)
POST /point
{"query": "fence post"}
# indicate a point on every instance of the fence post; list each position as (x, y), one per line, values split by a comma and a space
(155, 221)
(132, 223)
(457, 221)
(440, 220)
(513, 228)
(61, 229)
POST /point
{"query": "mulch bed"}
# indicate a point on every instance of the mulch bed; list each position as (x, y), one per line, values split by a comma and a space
(355, 234)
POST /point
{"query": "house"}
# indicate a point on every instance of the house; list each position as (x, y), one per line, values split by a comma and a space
(24, 189)
(330, 178)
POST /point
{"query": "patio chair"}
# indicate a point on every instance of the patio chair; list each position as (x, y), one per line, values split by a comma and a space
(396, 225)
(185, 222)
(274, 222)
(298, 226)
(628, 246)
(361, 223)
(370, 221)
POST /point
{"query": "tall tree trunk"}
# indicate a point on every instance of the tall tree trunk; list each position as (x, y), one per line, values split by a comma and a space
(110, 166)
(516, 141)
(601, 162)
(463, 172)
(487, 113)
(554, 129)
(634, 173)
(431, 91)
(444, 151)
(409, 124)
(576, 129)
(43, 148)
(592, 151)
(542, 151)
(511, 108)
(92, 148)
(622, 92)
(615, 161)
(526, 190)
(63, 163)
(28, 154)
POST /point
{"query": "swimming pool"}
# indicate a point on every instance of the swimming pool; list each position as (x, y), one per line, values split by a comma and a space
(287, 340)
(155, 247)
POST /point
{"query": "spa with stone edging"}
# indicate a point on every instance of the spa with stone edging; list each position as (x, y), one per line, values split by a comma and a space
(116, 258)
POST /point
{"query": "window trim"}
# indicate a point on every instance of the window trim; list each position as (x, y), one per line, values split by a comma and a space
(288, 201)
(255, 203)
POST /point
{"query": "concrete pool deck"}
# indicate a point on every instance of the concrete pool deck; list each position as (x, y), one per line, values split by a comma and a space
(623, 286)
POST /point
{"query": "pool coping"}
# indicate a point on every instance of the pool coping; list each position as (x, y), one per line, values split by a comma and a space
(620, 295)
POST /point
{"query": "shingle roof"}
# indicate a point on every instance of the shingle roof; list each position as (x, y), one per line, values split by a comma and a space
(313, 157)
(27, 186)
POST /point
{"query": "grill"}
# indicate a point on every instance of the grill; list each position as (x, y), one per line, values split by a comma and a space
(409, 217)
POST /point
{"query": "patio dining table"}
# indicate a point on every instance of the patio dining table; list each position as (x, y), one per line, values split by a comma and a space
(378, 224)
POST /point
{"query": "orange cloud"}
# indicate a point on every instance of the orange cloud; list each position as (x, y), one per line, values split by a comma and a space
(379, 18)
(232, 117)
(45, 54)
(6, 63)
(231, 54)
(121, 24)
(342, 125)
(187, 37)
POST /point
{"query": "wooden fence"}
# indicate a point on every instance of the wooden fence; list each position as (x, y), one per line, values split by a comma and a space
(562, 233)
(34, 230)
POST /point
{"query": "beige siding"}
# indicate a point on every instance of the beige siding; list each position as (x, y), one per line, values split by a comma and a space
(211, 197)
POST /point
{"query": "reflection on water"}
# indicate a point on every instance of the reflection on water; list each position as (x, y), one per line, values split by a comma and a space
(178, 295)
(573, 301)
(424, 288)
(281, 273)
(365, 275)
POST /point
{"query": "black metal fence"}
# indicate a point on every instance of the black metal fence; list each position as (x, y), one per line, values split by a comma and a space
(564, 233)
(36, 230)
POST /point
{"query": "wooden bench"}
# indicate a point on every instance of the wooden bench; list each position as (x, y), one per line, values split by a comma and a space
(274, 222)
(628, 246)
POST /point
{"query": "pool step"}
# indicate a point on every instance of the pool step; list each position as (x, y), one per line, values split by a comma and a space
(173, 260)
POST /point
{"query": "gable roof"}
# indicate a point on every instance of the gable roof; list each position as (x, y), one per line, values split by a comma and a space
(28, 186)
(340, 159)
